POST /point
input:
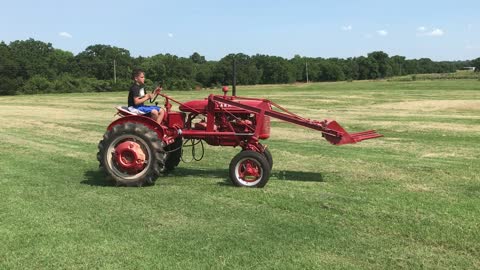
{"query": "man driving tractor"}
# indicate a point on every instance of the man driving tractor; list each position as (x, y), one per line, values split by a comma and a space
(137, 97)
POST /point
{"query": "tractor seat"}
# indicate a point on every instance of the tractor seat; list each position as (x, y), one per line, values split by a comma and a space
(124, 110)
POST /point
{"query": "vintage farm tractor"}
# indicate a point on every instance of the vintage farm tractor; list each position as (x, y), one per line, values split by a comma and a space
(135, 150)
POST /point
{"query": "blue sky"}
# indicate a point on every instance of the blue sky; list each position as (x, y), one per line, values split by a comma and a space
(440, 30)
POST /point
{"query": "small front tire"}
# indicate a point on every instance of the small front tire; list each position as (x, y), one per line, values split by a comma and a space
(268, 157)
(249, 169)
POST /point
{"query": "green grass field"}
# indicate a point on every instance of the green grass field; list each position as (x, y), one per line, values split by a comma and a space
(408, 200)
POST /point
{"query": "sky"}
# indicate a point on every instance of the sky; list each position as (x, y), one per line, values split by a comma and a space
(439, 30)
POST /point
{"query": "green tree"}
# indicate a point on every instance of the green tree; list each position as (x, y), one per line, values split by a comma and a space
(98, 61)
(425, 65)
(247, 71)
(476, 63)
(300, 65)
(61, 61)
(8, 71)
(204, 74)
(33, 58)
(274, 69)
(367, 68)
(197, 58)
(382, 64)
(331, 71)
(398, 65)
(351, 69)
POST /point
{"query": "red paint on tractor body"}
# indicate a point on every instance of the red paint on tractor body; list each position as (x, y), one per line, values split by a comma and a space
(218, 120)
(235, 121)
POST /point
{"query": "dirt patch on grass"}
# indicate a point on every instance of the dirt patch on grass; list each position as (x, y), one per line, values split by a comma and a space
(405, 126)
(433, 105)
(295, 134)
(39, 148)
(54, 130)
(418, 187)
(439, 155)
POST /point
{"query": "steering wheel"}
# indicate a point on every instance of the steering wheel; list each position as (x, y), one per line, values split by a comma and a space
(156, 91)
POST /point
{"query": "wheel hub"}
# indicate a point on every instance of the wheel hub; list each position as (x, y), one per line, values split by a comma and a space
(249, 171)
(130, 156)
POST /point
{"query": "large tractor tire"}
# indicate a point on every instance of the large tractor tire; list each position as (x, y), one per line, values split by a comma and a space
(249, 169)
(174, 154)
(131, 154)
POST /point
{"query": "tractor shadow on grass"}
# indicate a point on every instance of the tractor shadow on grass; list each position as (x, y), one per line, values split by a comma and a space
(223, 174)
(182, 171)
(96, 178)
(218, 174)
(296, 176)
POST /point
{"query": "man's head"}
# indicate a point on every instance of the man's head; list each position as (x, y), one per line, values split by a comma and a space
(138, 76)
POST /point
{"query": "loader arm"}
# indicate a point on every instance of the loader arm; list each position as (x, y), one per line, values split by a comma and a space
(330, 129)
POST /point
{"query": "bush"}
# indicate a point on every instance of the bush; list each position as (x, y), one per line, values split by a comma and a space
(37, 85)
(64, 83)
(9, 86)
(180, 84)
(120, 85)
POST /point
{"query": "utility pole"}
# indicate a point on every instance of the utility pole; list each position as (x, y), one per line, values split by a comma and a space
(234, 82)
(306, 69)
(114, 71)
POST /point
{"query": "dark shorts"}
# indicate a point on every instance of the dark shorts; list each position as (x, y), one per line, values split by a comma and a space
(147, 109)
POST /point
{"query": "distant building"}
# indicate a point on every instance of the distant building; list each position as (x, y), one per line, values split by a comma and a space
(469, 68)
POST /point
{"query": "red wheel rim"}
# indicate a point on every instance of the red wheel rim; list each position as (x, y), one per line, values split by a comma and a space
(248, 171)
(128, 156)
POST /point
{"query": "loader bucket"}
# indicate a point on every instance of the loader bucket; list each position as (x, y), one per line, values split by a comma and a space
(336, 134)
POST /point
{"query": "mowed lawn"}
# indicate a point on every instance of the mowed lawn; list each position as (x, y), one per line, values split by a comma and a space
(408, 200)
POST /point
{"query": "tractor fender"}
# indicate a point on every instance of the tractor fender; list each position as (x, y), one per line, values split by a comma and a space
(146, 121)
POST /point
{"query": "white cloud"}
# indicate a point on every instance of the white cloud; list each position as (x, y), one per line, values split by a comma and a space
(436, 33)
(424, 31)
(382, 32)
(65, 35)
(170, 35)
(421, 29)
(347, 28)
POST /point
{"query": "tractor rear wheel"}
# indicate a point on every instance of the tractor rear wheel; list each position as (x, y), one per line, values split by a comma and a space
(174, 154)
(249, 169)
(131, 154)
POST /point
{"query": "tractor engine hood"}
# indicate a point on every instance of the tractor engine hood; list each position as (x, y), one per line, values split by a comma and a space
(200, 106)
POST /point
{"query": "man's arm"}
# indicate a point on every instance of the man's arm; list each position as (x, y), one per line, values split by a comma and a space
(140, 100)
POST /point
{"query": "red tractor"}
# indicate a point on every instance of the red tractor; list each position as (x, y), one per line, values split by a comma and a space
(136, 150)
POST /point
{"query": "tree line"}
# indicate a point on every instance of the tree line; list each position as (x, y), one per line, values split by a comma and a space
(32, 66)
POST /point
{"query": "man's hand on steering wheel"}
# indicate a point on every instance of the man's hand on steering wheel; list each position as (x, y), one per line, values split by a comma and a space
(157, 90)
(155, 93)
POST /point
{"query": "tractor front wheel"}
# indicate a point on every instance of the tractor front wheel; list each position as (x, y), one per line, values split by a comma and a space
(131, 154)
(249, 169)
(269, 157)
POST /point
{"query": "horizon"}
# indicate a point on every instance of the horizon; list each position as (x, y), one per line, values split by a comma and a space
(251, 55)
(214, 29)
